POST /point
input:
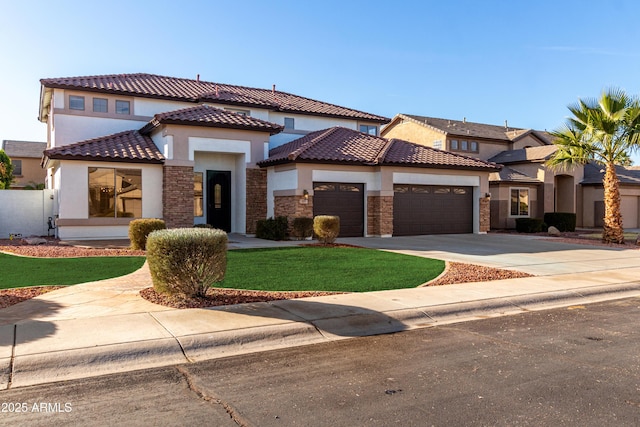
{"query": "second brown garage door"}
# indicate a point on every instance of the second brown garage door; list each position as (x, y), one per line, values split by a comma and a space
(344, 200)
(431, 209)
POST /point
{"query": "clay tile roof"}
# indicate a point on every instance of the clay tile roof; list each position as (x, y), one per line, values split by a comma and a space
(23, 148)
(409, 154)
(129, 146)
(173, 88)
(341, 145)
(205, 115)
(530, 154)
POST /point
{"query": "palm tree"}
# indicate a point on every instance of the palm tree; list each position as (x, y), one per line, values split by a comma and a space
(604, 130)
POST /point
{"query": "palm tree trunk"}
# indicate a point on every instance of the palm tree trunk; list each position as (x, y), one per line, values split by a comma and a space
(613, 231)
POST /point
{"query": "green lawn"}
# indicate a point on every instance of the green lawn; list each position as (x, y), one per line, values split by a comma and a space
(326, 269)
(17, 272)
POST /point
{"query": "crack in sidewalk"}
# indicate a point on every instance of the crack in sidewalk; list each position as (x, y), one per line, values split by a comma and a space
(198, 390)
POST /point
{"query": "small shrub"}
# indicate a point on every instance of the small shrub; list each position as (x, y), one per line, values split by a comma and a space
(302, 227)
(563, 221)
(186, 261)
(327, 228)
(530, 225)
(203, 226)
(139, 229)
(272, 229)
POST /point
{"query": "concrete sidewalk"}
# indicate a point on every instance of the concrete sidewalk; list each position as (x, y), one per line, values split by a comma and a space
(105, 327)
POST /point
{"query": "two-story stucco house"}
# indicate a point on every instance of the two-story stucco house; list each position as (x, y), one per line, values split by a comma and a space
(25, 157)
(524, 187)
(193, 152)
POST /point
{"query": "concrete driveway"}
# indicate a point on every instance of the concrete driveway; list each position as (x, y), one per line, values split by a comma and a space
(530, 254)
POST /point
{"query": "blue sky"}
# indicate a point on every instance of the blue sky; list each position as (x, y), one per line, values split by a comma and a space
(488, 61)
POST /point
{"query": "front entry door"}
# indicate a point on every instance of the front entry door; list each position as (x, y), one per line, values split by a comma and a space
(219, 199)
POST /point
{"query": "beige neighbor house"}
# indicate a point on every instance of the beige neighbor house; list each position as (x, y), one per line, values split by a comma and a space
(524, 187)
(25, 157)
(196, 152)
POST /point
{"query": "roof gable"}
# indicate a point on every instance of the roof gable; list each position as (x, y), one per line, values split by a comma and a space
(207, 116)
(173, 88)
(129, 146)
(522, 155)
(341, 145)
(27, 149)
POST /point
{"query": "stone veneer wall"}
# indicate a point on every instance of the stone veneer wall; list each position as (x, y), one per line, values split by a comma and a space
(485, 214)
(293, 207)
(177, 189)
(256, 198)
(379, 215)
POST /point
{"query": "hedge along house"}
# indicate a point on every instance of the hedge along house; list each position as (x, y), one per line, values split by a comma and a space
(377, 186)
(147, 146)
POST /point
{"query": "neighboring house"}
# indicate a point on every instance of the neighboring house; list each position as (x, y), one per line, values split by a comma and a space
(524, 187)
(25, 157)
(195, 152)
(593, 195)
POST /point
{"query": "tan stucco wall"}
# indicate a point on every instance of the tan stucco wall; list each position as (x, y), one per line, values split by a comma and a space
(500, 204)
(526, 141)
(31, 172)
(629, 205)
(413, 132)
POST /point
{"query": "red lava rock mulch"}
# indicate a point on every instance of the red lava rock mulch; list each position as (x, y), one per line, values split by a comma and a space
(10, 297)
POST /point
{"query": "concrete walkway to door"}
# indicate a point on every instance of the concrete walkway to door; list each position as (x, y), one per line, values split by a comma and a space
(540, 256)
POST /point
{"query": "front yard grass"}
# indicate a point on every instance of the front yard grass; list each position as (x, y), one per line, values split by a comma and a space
(18, 272)
(317, 268)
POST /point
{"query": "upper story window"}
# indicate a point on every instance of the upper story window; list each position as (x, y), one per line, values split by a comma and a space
(371, 130)
(123, 107)
(289, 123)
(76, 102)
(100, 105)
(17, 167)
(463, 145)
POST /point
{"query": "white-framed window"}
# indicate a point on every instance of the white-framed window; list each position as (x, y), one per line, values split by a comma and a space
(76, 102)
(369, 129)
(519, 202)
(123, 107)
(289, 123)
(17, 167)
(100, 105)
(437, 144)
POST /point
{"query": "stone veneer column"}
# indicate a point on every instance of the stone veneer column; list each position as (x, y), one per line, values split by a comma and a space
(177, 189)
(485, 214)
(293, 207)
(256, 198)
(379, 215)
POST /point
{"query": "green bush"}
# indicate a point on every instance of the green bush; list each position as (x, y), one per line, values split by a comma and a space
(327, 228)
(563, 221)
(302, 227)
(186, 261)
(139, 229)
(530, 225)
(272, 229)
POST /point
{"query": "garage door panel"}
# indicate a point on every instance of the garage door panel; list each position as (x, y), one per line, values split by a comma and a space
(344, 200)
(422, 209)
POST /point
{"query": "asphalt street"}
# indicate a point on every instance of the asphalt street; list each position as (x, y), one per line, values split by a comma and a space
(578, 365)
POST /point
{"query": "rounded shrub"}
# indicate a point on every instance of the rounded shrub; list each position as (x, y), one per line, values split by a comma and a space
(139, 229)
(327, 228)
(187, 261)
(302, 227)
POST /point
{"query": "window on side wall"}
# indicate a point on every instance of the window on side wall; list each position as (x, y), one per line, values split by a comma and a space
(371, 130)
(17, 167)
(453, 144)
(197, 194)
(115, 193)
(519, 202)
(100, 105)
(289, 123)
(123, 107)
(76, 102)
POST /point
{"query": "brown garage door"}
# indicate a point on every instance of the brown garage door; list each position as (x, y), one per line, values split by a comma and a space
(343, 200)
(432, 209)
